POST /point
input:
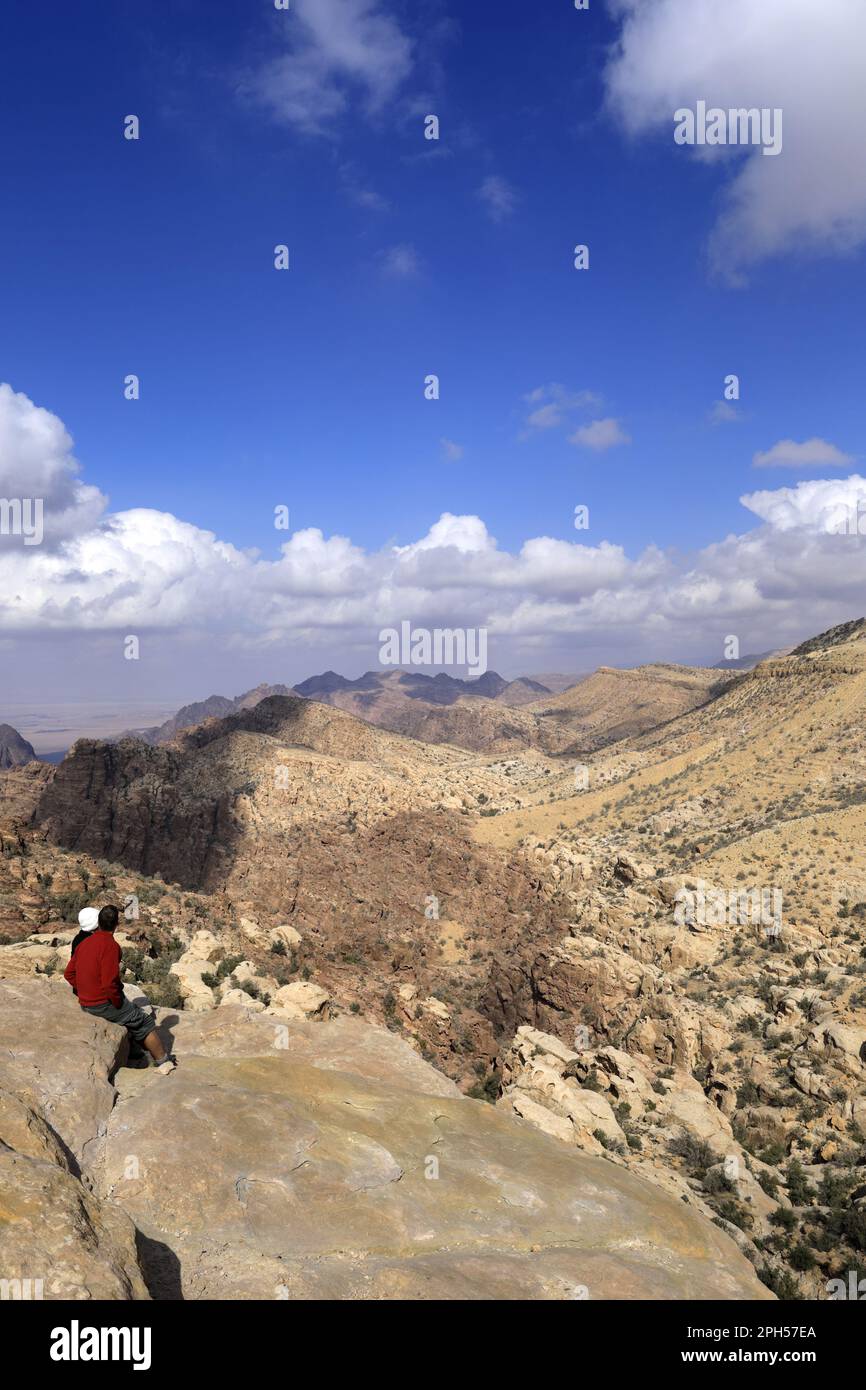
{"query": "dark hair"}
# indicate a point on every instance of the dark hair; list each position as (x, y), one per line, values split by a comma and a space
(108, 917)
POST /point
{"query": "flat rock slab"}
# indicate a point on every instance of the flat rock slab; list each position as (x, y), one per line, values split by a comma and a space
(266, 1177)
(344, 1044)
(305, 1160)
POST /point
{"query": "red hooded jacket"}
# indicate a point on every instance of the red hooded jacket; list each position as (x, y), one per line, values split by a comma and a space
(94, 971)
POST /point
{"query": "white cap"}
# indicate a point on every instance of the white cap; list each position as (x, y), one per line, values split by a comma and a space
(88, 918)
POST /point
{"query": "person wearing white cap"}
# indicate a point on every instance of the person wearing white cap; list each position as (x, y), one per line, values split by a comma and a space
(88, 921)
(93, 972)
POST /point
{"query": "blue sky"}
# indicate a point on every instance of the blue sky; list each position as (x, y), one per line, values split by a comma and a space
(408, 257)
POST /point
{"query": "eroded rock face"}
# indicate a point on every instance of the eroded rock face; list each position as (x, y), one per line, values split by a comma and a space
(57, 1058)
(59, 1237)
(321, 842)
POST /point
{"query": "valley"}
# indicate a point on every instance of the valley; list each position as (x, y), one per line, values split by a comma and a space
(520, 937)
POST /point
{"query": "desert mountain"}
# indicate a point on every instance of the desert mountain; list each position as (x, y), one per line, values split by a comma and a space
(294, 811)
(749, 661)
(557, 681)
(778, 743)
(488, 714)
(407, 702)
(598, 710)
(754, 805)
(614, 703)
(15, 751)
(522, 691)
(214, 707)
(441, 689)
(526, 937)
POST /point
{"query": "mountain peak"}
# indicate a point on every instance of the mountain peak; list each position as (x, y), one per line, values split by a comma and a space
(15, 751)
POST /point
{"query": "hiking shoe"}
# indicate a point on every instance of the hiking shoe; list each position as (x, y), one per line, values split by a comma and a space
(166, 1067)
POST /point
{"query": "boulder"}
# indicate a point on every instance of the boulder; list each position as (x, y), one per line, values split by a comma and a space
(841, 1044)
(32, 957)
(302, 999)
(202, 944)
(251, 930)
(247, 973)
(287, 935)
(189, 971)
(241, 998)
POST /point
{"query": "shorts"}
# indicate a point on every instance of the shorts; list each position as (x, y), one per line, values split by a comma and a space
(130, 1016)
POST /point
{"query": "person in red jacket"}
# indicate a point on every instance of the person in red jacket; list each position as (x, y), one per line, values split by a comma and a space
(94, 974)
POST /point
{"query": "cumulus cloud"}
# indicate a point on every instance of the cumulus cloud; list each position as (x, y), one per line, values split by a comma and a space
(812, 453)
(36, 463)
(600, 435)
(797, 566)
(807, 59)
(339, 50)
(822, 506)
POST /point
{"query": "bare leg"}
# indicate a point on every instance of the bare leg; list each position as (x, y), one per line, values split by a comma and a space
(155, 1048)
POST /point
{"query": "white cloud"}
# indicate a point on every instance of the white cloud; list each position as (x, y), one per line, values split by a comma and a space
(724, 413)
(36, 462)
(339, 49)
(818, 506)
(546, 417)
(400, 262)
(812, 453)
(147, 572)
(466, 534)
(600, 435)
(807, 59)
(554, 404)
(451, 451)
(498, 196)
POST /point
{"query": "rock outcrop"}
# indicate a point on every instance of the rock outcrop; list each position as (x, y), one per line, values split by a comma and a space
(299, 1159)
(15, 751)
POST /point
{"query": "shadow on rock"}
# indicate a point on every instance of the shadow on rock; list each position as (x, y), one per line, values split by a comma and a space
(160, 1269)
